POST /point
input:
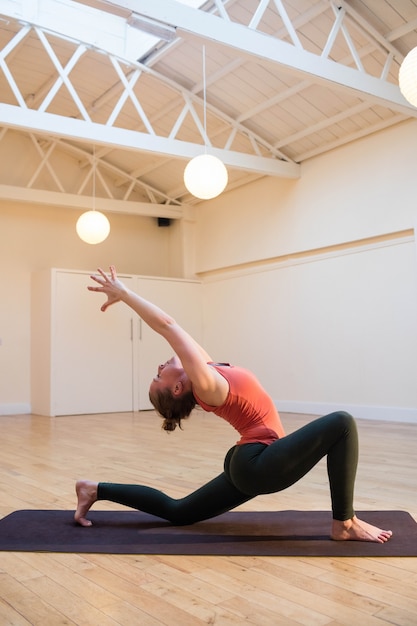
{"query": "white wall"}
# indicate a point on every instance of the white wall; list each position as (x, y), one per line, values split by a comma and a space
(325, 332)
(35, 238)
(363, 190)
(313, 283)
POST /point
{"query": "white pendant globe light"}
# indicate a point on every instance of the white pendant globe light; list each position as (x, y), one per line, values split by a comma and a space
(93, 226)
(205, 176)
(407, 77)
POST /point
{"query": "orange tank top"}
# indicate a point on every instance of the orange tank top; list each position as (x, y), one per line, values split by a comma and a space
(248, 408)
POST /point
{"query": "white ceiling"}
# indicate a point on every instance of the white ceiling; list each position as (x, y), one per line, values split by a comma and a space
(282, 81)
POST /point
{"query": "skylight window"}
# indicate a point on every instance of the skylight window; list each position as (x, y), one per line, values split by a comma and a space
(150, 36)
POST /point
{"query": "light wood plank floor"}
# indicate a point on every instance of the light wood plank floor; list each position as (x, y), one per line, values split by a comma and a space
(42, 457)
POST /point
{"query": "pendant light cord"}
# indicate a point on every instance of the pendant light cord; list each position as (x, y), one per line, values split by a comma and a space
(204, 99)
(94, 178)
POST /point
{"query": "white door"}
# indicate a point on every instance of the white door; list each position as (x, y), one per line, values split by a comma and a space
(182, 300)
(92, 365)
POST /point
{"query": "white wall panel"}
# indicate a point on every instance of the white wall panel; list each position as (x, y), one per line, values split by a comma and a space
(325, 332)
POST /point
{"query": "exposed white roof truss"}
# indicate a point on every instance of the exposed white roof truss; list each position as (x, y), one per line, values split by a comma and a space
(86, 89)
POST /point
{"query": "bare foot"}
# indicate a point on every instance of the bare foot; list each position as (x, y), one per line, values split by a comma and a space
(87, 495)
(357, 530)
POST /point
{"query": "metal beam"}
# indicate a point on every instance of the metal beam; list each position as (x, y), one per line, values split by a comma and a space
(251, 42)
(91, 132)
(74, 201)
(108, 32)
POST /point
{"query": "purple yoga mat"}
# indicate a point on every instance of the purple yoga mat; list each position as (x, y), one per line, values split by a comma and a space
(277, 533)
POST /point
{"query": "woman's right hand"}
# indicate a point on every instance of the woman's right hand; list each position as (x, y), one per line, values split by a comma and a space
(109, 285)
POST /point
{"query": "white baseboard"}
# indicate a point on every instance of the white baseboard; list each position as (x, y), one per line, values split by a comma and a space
(383, 413)
(14, 409)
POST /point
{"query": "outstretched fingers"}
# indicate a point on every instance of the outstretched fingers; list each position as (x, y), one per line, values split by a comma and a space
(102, 278)
(108, 284)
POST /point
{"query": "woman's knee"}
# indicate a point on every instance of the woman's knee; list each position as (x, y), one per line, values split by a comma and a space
(345, 417)
(345, 421)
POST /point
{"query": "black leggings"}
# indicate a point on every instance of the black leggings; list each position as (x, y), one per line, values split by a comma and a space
(253, 469)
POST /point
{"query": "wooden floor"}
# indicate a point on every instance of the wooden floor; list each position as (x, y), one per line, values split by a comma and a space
(42, 457)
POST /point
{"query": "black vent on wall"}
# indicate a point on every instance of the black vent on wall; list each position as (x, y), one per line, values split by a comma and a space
(164, 221)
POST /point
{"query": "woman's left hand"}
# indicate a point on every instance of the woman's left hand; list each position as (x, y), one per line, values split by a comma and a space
(110, 285)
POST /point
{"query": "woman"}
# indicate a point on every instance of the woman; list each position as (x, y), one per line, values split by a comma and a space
(264, 460)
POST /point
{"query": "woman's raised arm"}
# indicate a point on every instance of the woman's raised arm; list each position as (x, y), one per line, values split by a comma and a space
(193, 357)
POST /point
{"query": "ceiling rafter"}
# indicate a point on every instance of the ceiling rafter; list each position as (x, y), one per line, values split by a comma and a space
(127, 93)
(331, 120)
(44, 162)
(254, 43)
(44, 150)
(343, 14)
(327, 76)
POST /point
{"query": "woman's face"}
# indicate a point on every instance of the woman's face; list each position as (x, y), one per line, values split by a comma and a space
(167, 375)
